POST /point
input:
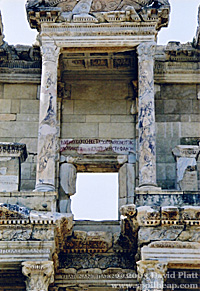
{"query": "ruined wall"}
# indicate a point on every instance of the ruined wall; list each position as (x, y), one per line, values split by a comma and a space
(19, 113)
(177, 121)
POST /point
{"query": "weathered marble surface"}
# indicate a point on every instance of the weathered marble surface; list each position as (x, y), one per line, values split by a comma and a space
(186, 167)
(67, 186)
(11, 157)
(47, 136)
(151, 275)
(38, 275)
(146, 118)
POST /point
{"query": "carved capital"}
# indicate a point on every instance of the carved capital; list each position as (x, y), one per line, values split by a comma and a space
(146, 51)
(50, 52)
(146, 267)
(39, 275)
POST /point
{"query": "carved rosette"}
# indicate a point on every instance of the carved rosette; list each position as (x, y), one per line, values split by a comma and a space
(47, 136)
(151, 275)
(146, 118)
(38, 275)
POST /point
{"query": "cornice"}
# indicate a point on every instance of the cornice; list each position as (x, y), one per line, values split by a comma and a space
(82, 11)
(13, 150)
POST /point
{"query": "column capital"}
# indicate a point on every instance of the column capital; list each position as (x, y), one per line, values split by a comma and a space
(50, 52)
(146, 50)
(157, 267)
(39, 275)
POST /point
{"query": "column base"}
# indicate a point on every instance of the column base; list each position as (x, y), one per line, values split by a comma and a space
(44, 188)
(145, 189)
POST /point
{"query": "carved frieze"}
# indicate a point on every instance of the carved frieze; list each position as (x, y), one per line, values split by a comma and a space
(98, 11)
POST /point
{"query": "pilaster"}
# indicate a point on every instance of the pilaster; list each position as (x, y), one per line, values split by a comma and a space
(38, 275)
(146, 118)
(45, 178)
(151, 275)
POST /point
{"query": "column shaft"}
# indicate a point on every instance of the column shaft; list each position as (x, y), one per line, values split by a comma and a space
(146, 115)
(45, 178)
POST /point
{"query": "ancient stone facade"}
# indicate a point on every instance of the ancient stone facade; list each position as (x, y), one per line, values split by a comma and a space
(97, 94)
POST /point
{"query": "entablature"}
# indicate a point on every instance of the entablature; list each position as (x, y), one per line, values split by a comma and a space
(143, 11)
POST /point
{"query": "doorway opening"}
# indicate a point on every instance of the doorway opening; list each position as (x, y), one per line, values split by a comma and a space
(96, 197)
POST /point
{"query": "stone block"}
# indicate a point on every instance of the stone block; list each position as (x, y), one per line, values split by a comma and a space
(43, 232)
(98, 118)
(194, 118)
(116, 130)
(31, 145)
(130, 180)
(40, 201)
(68, 107)
(191, 234)
(15, 106)
(159, 107)
(27, 185)
(123, 118)
(170, 171)
(95, 90)
(191, 129)
(19, 129)
(196, 106)
(33, 171)
(122, 202)
(123, 181)
(169, 233)
(20, 91)
(182, 91)
(7, 117)
(177, 106)
(29, 106)
(26, 171)
(69, 118)
(9, 174)
(99, 107)
(161, 172)
(80, 130)
(169, 213)
(146, 216)
(5, 106)
(98, 240)
(1, 91)
(28, 117)
(198, 92)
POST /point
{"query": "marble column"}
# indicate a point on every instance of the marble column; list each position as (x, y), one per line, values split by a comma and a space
(38, 275)
(146, 115)
(47, 134)
(151, 275)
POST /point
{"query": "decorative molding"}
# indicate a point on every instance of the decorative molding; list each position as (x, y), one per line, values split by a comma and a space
(85, 11)
(13, 150)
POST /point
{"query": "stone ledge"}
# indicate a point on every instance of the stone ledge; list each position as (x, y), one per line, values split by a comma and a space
(172, 252)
